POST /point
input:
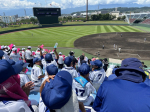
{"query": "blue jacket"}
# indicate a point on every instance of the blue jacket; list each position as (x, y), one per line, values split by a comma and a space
(122, 96)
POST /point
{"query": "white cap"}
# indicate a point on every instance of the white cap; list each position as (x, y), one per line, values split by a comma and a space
(14, 49)
(29, 47)
(38, 49)
(52, 52)
(5, 47)
(2, 47)
(14, 45)
(23, 48)
(60, 53)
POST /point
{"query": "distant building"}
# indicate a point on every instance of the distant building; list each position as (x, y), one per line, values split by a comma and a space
(115, 13)
(8, 19)
(104, 12)
(96, 12)
(84, 14)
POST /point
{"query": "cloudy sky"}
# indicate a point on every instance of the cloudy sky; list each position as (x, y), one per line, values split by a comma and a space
(13, 4)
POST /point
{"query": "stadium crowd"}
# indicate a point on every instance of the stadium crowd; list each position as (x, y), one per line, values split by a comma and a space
(70, 83)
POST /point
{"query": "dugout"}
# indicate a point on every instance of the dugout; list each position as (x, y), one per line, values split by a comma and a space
(47, 15)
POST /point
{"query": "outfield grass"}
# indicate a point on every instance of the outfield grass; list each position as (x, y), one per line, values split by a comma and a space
(143, 28)
(12, 27)
(96, 22)
(64, 36)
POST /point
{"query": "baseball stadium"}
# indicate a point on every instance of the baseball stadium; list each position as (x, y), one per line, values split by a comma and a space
(88, 37)
(66, 55)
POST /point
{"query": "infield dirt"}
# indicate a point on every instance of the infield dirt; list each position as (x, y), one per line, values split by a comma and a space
(131, 44)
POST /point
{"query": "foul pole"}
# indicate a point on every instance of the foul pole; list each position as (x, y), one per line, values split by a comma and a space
(86, 9)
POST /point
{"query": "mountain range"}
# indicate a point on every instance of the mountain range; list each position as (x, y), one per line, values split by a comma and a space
(29, 11)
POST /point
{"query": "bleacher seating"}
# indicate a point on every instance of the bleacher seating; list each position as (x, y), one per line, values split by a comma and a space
(132, 20)
(142, 16)
(146, 21)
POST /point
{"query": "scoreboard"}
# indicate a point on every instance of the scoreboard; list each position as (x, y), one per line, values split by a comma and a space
(47, 15)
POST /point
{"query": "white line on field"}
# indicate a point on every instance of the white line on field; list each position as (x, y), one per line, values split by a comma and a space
(139, 55)
(117, 55)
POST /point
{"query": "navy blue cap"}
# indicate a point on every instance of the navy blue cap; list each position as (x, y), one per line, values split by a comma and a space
(1, 53)
(96, 63)
(36, 60)
(24, 65)
(58, 92)
(84, 69)
(7, 70)
(11, 61)
(131, 64)
(68, 60)
(48, 57)
(52, 69)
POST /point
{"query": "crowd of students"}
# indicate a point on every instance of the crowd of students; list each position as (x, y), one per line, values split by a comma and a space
(69, 83)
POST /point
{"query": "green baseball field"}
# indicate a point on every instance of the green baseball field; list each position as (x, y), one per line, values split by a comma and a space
(64, 36)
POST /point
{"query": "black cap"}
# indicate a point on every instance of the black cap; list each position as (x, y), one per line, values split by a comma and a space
(71, 52)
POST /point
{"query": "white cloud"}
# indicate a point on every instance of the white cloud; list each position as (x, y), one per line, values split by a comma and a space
(11, 4)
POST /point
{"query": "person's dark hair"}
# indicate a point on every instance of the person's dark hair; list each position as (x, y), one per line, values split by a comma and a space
(0, 58)
(142, 63)
(105, 59)
(89, 60)
(81, 58)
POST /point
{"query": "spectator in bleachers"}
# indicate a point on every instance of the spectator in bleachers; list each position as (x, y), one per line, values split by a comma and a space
(29, 57)
(23, 76)
(98, 74)
(52, 70)
(83, 87)
(105, 61)
(127, 92)
(14, 55)
(36, 72)
(65, 102)
(38, 52)
(12, 97)
(49, 60)
(69, 63)
(60, 61)
(71, 53)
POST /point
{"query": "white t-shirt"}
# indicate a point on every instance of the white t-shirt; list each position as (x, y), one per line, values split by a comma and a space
(37, 54)
(82, 92)
(71, 106)
(28, 54)
(35, 73)
(23, 54)
(14, 56)
(6, 57)
(23, 79)
(72, 71)
(14, 106)
(60, 60)
(47, 64)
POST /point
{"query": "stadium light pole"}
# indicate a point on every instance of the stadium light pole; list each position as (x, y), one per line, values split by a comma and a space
(86, 9)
